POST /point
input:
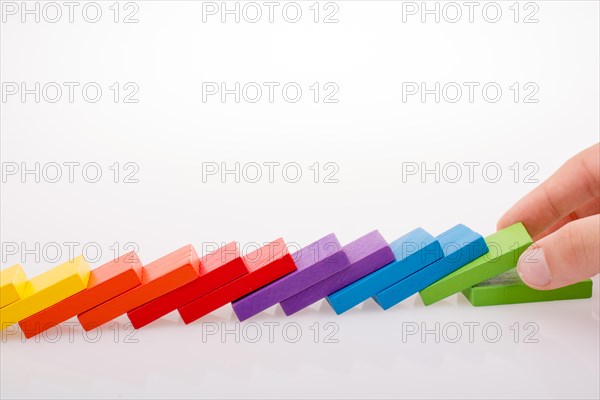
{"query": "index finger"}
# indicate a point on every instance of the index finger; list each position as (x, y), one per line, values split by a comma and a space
(573, 185)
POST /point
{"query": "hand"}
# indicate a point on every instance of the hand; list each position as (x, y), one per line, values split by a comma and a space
(562, 217)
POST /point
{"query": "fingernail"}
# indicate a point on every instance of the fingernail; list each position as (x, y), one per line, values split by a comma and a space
(533, 268)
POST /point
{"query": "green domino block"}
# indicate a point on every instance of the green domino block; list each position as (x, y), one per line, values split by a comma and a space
(505, 248)
(508, 288)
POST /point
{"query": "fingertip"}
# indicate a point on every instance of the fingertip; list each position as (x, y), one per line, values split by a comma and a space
(509, 218)
(564, 257)
(533, 268)
(503, 222)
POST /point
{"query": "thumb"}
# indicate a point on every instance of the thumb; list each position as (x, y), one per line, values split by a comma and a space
(567, 256)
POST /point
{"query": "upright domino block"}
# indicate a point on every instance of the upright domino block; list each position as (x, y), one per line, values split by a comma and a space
(216, 269)
(508, 288)
(265, 265)
(158, 278)
(314, 263)
(366, 255)
(460, 244)
(505, 248)
(105, 283)
(413, 251)
(12, 284)
(46, 290)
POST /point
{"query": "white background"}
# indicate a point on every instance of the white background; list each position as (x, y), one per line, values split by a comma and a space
(370, 134)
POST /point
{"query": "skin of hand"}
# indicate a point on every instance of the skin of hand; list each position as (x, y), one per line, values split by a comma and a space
(562, 216)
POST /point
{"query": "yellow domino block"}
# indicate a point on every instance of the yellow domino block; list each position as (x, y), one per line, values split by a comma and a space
(46, 290)
(12, 284)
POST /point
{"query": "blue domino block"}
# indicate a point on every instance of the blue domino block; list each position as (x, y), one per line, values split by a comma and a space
(413, 251)
(460, 245)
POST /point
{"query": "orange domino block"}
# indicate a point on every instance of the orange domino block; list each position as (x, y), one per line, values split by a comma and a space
(216, 269)
(105, 283)
(265, 265)
(12, 284)
(158, 278)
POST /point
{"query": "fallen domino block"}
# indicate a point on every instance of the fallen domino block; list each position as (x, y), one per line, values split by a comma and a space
(366, 255)
(12, 284)
(158, 278)
(508, 288)
(460, 244)
(105, 282)
(505, 248)
(216, 269)
(265, 265)
(412, 251)
(46, 290)
(314, 263)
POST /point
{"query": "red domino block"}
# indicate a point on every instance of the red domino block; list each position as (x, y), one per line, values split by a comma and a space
(216, 269)
(105, 283)
(158, 278)
(265, 265)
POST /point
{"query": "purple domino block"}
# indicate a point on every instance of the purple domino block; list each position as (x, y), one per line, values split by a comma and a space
(366, 254)
(315, 262)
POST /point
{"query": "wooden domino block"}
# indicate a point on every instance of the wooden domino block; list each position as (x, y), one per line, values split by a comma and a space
(366, 255)
(158, 278)
(216, 269)
(105, 283)
(315, 262)
(46, 290)
(505, 248)
(12, 284)
(265, 265)
(413, 251)
(460, 244)
(508, 288)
